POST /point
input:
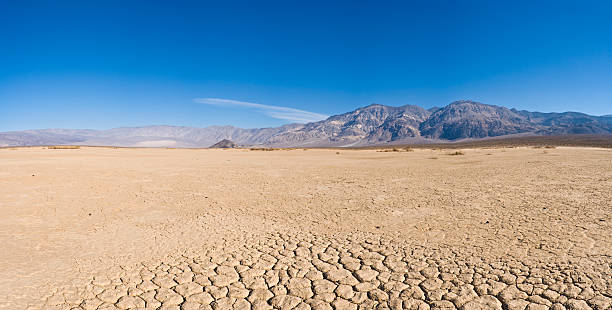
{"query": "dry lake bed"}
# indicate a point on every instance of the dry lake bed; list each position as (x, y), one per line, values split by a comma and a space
(490, 228)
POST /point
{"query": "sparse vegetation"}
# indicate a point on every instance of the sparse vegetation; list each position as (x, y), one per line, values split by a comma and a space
(263, 149)
(455, 153)
(601, 140)
(63, 147)
(545, 146)
(406, 149)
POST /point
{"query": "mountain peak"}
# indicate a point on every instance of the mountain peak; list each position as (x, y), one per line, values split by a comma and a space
(372, 105)
(466, 102)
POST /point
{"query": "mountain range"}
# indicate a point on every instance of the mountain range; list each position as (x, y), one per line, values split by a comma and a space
(371, 125)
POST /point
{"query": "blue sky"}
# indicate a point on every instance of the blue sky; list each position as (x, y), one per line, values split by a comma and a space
(104, 64)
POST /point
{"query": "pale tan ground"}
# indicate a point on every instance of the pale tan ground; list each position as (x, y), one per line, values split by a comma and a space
(104, 228)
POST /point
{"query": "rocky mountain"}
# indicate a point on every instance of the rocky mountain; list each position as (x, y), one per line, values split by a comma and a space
(468, 119)
(379, 124)
(569, 123)
(370, 125)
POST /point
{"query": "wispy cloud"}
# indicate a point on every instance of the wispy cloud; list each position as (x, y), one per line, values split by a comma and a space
(284, 113)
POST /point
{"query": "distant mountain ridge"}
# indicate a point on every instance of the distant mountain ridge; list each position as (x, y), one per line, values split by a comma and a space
(370, 125)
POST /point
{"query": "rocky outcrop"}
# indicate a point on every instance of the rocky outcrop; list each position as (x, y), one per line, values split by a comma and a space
(224, 144)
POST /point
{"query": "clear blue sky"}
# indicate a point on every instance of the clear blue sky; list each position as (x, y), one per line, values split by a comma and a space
(104, 64)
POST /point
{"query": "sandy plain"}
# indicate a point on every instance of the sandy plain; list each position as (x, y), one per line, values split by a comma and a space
(495, 228)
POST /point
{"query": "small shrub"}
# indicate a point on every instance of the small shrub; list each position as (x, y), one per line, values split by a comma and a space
(456, 153)
(63, 147)
(262, 149)
(549, 147)
(408, 149)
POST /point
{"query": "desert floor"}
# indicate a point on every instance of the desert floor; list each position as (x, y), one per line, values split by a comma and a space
(498, 228)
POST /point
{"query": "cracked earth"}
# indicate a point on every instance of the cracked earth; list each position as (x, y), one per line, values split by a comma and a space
(103, 228)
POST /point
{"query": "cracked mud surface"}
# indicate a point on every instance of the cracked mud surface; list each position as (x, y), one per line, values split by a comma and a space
(101, 228)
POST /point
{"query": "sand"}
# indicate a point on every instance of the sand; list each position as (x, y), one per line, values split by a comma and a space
(499, 228)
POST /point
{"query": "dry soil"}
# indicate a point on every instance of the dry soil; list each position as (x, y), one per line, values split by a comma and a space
(499, 228)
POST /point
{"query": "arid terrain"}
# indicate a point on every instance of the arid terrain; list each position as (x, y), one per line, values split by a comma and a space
(488, 228)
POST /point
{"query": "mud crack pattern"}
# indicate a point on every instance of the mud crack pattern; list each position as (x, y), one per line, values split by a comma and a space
(280, 271)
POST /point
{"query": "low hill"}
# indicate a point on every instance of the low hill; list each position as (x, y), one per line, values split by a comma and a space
(224, 144)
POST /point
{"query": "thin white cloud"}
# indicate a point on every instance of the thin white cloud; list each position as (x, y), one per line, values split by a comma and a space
(284, 113)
